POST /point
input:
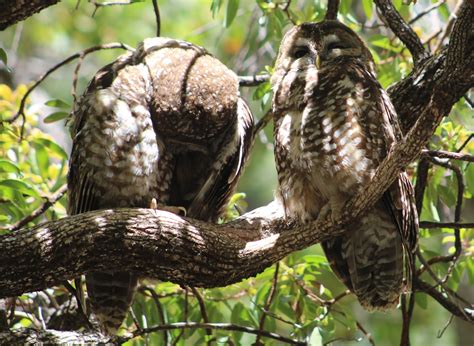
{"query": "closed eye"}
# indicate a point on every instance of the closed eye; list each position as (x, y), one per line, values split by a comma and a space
(336, 45)
(300, 52)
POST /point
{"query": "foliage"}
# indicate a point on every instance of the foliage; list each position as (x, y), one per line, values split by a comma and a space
(309, 302)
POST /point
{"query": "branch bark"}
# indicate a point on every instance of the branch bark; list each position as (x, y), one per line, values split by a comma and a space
(15, 11)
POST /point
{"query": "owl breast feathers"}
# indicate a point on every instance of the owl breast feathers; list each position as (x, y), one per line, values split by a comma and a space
(334, 124)
(165, 122)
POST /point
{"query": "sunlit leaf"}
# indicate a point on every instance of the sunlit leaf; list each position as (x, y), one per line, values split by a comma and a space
(57, 103)
(20, 186)
(231, 12)
(56, 116)
(8, 166)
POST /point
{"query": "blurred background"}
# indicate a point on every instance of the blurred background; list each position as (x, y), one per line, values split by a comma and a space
(245, 36)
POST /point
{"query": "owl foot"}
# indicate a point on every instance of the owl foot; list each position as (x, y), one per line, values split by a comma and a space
(332, 209)
(181, 211)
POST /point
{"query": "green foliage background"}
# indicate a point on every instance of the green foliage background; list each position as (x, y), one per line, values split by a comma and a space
(245, 35)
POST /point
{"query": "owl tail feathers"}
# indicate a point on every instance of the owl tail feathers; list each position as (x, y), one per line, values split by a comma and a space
(110, 296)
(374, 255)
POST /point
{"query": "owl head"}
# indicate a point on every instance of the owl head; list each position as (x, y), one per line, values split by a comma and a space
(308, 52)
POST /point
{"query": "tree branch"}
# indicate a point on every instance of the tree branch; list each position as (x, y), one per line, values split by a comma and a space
(15, 11)
(402, 30)
(412, 95)
(333, 8)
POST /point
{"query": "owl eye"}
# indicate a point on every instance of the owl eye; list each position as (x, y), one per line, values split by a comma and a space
(300, 52)
(336, 45)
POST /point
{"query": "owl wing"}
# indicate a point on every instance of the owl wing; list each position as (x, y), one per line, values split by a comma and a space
(399, 199)
(82, 192)
(228, 166)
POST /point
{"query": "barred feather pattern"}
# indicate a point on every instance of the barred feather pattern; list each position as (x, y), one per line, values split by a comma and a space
(165, 122)
(334, 124)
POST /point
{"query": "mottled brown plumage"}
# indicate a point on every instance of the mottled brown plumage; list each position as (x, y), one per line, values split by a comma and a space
(164, 122)
(334, 124)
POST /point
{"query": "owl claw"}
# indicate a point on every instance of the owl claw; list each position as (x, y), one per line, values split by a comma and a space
(333, 209)
(181, 211)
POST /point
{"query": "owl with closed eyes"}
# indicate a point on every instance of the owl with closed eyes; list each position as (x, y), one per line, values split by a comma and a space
(334, 124)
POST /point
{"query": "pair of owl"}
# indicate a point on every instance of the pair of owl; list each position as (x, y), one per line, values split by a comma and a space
(166, 122)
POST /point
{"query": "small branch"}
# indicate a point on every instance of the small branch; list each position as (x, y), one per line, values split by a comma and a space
(156, 298)
(464, 314)
(202, 307)
(250, 81)
(421, 181)
(449, 26)
(286, 9)
(431, 224)
(39, 211)
(216, 326)
(366, 333)
(427, 11)
(263, 122)
(85, 52)
(402, 30)
(156, 9)
(270, 297)
(333, 8)
(447, 155)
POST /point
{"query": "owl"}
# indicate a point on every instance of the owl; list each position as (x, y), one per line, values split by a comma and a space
(334, 124)
(164, 123)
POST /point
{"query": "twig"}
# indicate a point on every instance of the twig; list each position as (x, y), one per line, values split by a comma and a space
(466, 142)
(421, 180)
(260, 125)
(422, 286)
(268, 303)
(367, 334)
(441, 332)
(159, 307)
(21, 110)
(449, 27)
(448, 154)
(286, 8)
(217, 326)
(402, 30)
(39, 211)
(407, 314)
(202, 307)
(427, 11)
(250, 81)
(457, 210)
(431, 224)
(333, 8)
(108, 3)
(156, 9)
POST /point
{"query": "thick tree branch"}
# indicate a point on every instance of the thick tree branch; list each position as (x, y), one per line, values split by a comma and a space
(412, 95)
(17, 10)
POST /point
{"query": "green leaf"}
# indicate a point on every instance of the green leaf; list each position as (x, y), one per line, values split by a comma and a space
(57, 103)
(20, 186)
(215, 7)
(8, 166)
(421, 301)
(54, 147)
(56, 116)
(3, 56)
(367, 5)
(232, 7)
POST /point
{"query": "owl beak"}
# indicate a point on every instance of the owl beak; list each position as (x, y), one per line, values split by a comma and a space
(317, 61)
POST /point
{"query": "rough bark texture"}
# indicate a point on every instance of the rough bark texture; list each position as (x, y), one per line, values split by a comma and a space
(190, 252)
(15, 11)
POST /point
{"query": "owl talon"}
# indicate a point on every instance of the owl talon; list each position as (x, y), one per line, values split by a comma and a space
(181, 211)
